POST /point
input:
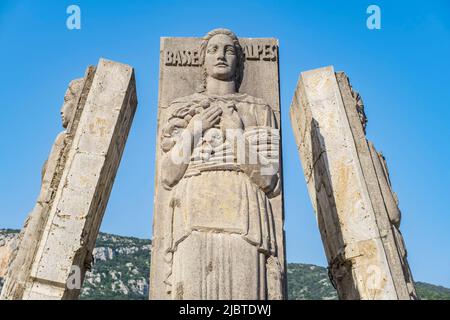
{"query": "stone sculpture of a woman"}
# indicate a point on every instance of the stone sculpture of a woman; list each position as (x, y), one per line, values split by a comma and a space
(29, 237)
(220, 163)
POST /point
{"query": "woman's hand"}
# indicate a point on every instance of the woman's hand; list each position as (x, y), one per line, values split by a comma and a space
(205, 120)
(262, 157)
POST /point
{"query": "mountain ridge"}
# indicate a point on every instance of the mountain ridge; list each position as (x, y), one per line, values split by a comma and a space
(122, 265)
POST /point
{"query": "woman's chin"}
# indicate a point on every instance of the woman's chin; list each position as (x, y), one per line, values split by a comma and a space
(222, 75)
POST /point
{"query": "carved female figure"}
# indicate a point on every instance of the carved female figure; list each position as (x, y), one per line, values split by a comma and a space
(222, 243)
(22, 258)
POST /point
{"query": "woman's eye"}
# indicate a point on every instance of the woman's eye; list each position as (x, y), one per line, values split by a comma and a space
(230, 51)
(212, 49)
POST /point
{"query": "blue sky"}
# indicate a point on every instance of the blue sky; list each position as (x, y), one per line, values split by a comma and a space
(402, 72)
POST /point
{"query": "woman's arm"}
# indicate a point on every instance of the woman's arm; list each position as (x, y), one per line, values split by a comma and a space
(176, 160)
(262, 147)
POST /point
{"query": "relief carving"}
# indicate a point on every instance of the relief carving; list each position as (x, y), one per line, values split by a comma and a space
(220, 163)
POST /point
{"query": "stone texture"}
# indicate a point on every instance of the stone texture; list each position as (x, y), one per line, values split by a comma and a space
(8, 245)
(53, 167)
(350, 190)
(218, 221)
(59, 234)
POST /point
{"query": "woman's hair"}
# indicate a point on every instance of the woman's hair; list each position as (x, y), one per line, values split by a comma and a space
(239, 52)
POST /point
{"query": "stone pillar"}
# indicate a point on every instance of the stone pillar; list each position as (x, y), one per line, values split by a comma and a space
(349, 186)
(218, 223)
(57, 240)
(8, 244)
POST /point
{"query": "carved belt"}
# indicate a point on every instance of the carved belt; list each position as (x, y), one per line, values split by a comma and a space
(198, 169)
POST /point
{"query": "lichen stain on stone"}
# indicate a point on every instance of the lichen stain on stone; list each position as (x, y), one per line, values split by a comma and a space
(179, 291)
(99, 126)
(348, 197)
(209, 268)
(367, 249)
(342, 185)
(368, 252)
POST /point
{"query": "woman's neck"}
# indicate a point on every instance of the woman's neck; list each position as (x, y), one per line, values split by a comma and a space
(220, 87)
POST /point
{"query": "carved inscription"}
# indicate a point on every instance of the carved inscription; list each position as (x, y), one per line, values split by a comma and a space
(182, 58)
(264, 52)
(191, 58)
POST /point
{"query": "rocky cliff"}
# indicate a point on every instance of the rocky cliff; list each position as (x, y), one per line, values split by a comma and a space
(122, 265)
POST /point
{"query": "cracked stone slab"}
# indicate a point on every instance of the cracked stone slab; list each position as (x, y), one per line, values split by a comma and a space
(350, 190)
(56, 244)
(210, 247)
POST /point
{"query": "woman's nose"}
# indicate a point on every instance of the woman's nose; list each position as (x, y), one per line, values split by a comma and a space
(221, 54)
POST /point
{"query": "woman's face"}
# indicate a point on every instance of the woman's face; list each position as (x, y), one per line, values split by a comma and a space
(66, 111)
(70, 101)
(221, 58)
(68, 108)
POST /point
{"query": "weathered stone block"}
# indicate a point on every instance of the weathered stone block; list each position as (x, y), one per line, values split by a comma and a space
(218, 226)
(351, 194)
(57, 240)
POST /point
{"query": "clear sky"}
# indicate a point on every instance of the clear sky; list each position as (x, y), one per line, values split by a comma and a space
(402, 72)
